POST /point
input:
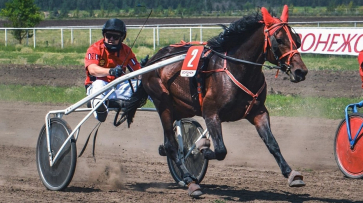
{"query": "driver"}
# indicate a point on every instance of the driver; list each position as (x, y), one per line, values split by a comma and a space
(106, 60)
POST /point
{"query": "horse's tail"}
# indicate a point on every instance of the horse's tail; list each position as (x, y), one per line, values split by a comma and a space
(138, 99)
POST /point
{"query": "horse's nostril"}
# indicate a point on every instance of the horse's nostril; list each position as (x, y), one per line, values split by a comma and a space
(299, 73)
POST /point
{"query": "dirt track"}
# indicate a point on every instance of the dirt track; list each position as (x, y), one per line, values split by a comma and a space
(129, 169)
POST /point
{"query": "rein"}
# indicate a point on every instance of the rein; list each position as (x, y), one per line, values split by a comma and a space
(240, 60)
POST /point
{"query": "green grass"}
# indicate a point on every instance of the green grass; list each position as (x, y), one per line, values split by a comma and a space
(44, 58)
(51, 56)
(330, 62)
(278, 105)
(318, 107)
(45, 94)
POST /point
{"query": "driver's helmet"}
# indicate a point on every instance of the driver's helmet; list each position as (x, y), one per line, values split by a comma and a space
(116, 25)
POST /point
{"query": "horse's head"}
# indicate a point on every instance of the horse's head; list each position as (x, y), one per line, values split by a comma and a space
(281, 45)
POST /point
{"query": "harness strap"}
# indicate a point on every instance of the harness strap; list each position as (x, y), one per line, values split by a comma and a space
(245, 89)
(184, 43)
(205, 56)
(94, 141)
(200, 93)
(270, 32)
(240, 85)
(254, 100)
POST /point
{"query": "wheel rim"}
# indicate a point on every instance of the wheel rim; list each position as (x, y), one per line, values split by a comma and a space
(351, 160)
(195, 162)
(56, 177)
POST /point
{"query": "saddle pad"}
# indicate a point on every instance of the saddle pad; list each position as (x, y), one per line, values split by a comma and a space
(191, 61)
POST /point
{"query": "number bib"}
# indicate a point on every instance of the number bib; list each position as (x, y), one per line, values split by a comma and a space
(191, 61)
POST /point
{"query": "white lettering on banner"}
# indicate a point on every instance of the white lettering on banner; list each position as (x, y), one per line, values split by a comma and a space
(338, 41)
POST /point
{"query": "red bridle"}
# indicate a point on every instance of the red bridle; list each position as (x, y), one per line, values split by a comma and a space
(270, 32)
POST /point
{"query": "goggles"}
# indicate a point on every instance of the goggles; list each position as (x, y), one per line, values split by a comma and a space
(111, 35)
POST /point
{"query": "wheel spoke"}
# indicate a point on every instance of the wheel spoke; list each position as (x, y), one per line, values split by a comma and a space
(61, 173)
(194, 161)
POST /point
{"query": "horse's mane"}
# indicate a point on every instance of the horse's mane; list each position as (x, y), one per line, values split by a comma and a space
(236, 32)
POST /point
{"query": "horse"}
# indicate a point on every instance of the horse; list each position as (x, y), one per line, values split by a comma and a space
(230, 85)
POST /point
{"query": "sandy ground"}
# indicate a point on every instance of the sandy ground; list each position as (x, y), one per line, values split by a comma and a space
(129, 169)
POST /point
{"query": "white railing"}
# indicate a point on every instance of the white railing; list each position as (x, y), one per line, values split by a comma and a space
(93, 34)
(151, 35)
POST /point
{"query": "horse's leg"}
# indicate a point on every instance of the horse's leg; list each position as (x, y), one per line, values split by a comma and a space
(171, 148)
(171, 145)
(215, 130)
(262, 124)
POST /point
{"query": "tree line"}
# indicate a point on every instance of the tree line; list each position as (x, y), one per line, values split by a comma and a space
(186, 6)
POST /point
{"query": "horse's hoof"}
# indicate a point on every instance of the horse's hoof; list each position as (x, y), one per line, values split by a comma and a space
(220, 153)
(208, 154)
(162, 151)
(297, 183)
(194, 190)
(295, 179)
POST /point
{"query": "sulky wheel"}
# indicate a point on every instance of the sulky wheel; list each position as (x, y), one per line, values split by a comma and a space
(60, 174)
(195, 163)
(350, 161)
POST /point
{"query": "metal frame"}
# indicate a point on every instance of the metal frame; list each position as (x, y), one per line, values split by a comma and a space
(354, 109)
(76, 107)
(179, 136)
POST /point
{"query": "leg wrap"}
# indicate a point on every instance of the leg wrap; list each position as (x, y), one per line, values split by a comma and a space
(203, 143)
(188, 179)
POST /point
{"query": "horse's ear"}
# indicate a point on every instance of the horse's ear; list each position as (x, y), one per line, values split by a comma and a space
(267, 18)
(285, 14)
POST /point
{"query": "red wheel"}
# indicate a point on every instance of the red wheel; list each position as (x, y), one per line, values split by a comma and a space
(350, 161)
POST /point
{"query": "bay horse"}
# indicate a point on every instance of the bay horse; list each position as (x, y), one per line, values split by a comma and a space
(231, 86)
